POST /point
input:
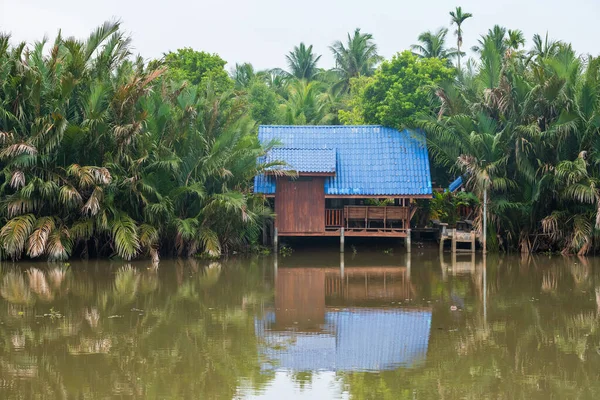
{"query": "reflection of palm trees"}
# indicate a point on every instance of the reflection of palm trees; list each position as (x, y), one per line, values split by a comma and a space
(92, 316)
(210, 275)
(127, 281)
(91, 346)
(209, 345)
(549, 282)
(580, 272)
(149, 281)
(575, 339)
(15, 290)
(57, 276)
(39, 285)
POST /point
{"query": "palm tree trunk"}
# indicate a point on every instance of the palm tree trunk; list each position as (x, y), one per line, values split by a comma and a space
(458, 46)
(484, 220)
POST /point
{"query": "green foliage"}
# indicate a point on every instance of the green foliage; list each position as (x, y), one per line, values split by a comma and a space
(302, 62)
(379, 202)
(433, 45)
(285, 251)
(522, 128)
(353, 114)
(400, 89)
(358, 57)
(101, 156)
(306, 104)
(263, 103)
(198, 68)
(458, 17)
(444, 205)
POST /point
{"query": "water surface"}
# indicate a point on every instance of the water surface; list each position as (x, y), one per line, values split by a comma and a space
(312, 325)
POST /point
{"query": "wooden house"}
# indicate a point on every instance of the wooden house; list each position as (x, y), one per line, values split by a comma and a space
(350, 180)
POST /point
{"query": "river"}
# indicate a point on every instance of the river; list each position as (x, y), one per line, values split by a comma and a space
(313, 325)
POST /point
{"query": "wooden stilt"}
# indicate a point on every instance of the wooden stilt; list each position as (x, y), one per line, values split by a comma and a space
(454, 241)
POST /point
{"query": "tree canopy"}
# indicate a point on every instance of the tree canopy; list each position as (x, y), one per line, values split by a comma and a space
(198, 68)
(400, 89)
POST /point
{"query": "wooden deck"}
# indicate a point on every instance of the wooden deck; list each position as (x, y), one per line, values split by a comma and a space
(361, 221)
(350, 232)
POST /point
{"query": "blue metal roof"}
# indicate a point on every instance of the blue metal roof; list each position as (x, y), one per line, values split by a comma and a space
(352, 340)
(456, 184)
(303, 160)
(370, 160)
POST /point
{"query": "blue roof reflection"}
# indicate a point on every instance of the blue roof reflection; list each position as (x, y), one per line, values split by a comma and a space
(351, 340)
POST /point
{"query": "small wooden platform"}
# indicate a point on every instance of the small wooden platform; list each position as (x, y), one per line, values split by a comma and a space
(457, 236)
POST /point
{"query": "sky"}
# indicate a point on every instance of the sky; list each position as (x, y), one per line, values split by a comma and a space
(262, 32)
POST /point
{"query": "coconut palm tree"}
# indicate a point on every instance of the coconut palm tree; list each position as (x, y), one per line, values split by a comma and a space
(307, 104)
(433, 45)
(302, 62)
(543, 48)
(515, 39)
(458, 18)
(242, 75)
(358, 57)
(496, 37)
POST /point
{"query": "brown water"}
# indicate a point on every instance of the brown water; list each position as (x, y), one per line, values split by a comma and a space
(310, 326)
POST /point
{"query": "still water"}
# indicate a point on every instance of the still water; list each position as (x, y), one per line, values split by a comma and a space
(315, 325)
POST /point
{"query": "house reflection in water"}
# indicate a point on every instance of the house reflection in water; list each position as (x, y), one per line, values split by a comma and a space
(340, 319)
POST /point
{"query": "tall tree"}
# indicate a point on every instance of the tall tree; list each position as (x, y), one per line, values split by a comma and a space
(433, 45)
(358, 57)
(302, 62)
(398, 90)
(543, 48)
(496, 36)
(242, 75)
(458, 18)
(306, 104)
(198, 68)
(515, 39)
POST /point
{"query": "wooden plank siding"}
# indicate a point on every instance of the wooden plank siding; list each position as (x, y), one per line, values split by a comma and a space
(300, 205)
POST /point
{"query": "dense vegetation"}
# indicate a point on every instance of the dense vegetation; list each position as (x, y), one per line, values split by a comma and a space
(103, 154)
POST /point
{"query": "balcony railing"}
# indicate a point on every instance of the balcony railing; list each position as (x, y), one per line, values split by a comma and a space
(368, 218)
(334, 217)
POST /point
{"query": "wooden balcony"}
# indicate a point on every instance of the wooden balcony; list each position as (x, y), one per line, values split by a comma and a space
(369, 219)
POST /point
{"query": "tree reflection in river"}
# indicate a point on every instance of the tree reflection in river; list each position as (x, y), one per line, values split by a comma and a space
(130, 330)
(368, 326)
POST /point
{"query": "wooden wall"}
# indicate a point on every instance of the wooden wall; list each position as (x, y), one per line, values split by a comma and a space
(300, 205)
